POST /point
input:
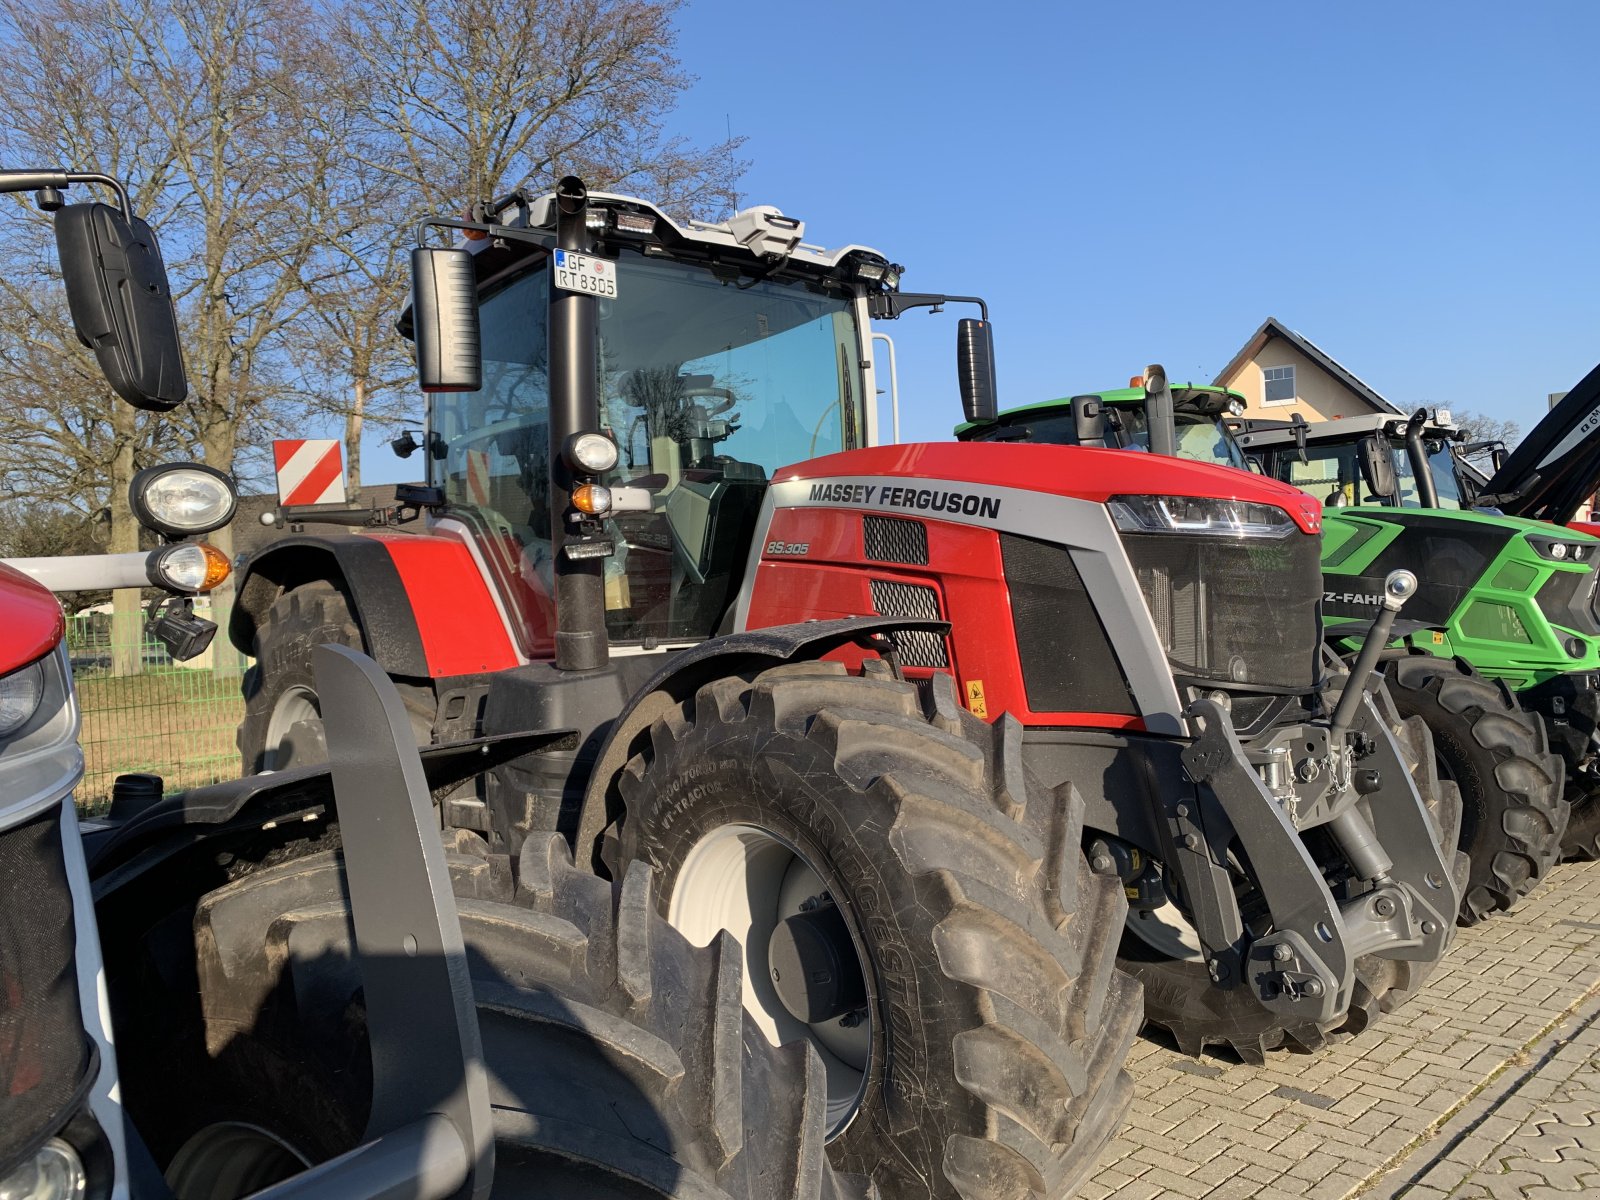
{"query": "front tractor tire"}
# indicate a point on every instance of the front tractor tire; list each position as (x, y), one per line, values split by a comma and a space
(282, 724)
(914, 905)
(1513, 815)
(621, 1064)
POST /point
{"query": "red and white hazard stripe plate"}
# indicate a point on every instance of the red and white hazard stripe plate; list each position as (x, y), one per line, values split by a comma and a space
(310, 470)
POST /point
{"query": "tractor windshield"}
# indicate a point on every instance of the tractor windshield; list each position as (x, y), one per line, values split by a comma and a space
(707, 383)
(1202, 438)
(1332, 473)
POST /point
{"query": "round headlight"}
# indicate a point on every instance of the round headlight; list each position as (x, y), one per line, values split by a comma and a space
(55, 1172)
(1558, 550)
(191, 567)
(182, 499)
(20, 693)
(593, 453)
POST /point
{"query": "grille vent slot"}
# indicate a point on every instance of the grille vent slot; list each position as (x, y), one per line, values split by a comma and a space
(896, 540)
(918, 647)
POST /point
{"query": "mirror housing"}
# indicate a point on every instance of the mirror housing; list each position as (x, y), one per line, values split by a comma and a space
(1377, 467)
(1089, 420)
(444, 320)
(1160, 417)
(121, 303)
(975, 370)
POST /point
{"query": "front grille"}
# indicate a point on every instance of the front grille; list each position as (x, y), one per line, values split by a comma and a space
(1068, 664)
(1238, 610)
(44, 1052)
(918, 647)
(896, 540)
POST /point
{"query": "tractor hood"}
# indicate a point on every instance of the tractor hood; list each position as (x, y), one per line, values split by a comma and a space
(1557, 466)
(1076, 471)
(32, 619)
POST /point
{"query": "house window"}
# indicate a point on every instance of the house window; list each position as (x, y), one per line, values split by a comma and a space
(1279, 385)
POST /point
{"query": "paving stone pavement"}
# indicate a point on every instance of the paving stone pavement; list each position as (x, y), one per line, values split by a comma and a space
(1485, 1085)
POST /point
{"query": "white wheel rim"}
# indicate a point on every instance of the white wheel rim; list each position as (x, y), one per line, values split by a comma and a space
(297, 703)
(1166, 931)
(745, 880)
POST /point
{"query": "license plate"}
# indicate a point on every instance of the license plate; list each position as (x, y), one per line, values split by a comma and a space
(585, 273)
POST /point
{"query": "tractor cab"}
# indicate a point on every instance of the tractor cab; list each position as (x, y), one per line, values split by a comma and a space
(1204, 422)
(726, 350)
(1370, 460)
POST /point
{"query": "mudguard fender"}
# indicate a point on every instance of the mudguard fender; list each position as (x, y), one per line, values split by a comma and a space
(424, 607)
(685, 673)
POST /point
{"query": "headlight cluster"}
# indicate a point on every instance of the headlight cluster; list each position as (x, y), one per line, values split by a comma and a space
(1562, 551)
(1199, 514)
(182, 499)
(20, 693)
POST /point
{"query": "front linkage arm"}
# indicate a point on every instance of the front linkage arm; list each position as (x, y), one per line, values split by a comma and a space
(1305, 967)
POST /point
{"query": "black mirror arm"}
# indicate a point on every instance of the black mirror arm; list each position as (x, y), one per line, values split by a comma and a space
(45, 181)
(539, 237)
(886, 306)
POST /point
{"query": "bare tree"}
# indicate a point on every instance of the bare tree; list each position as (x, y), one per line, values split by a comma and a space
(1481, 427)
(468, 101)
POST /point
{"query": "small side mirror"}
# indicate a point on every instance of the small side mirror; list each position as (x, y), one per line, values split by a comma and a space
(1377, 467)
(1298, 422)
(1089, 421)
(444, 320)
(975, 369)
(121, 303)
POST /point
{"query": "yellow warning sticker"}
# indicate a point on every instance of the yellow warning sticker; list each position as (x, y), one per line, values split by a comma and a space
(975, 701)
(1438, 638)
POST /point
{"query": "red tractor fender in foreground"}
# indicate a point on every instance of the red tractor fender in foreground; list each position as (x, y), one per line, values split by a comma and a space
(33, 620)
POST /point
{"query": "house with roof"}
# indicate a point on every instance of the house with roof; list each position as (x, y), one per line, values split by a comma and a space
(1280, 372)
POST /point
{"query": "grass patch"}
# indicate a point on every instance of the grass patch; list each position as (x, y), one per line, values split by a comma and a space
(171, 722)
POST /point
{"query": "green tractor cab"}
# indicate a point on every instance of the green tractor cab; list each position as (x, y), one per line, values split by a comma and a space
(1204, 424)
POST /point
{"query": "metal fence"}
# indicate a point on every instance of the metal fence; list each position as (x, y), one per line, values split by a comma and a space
(176, 720)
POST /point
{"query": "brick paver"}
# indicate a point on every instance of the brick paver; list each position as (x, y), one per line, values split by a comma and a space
(1484, 1085)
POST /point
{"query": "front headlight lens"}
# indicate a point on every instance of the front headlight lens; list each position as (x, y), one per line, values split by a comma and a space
(20, 693)
(182, 499)
(54, 1173)
(1199, 514)
(191, 567)
(593, 453)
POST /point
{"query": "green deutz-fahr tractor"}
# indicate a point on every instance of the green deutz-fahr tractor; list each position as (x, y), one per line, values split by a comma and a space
(1499, 636)
(1509, 593)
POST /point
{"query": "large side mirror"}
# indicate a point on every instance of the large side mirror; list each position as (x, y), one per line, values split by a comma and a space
(1089, 421)
(1377, 467)
(121, 303)
(444, 320)
(975, 369)
(1160, 418)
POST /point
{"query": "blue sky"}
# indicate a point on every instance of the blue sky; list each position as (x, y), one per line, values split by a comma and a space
(1410, 185)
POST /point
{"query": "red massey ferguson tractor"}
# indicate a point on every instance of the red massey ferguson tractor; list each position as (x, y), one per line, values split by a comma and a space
(311, 992)
(911, 722)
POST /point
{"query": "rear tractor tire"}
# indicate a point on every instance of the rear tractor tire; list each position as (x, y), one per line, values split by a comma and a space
(914, 905)
(282, 724)
(1513, 815)
(620, 1062)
